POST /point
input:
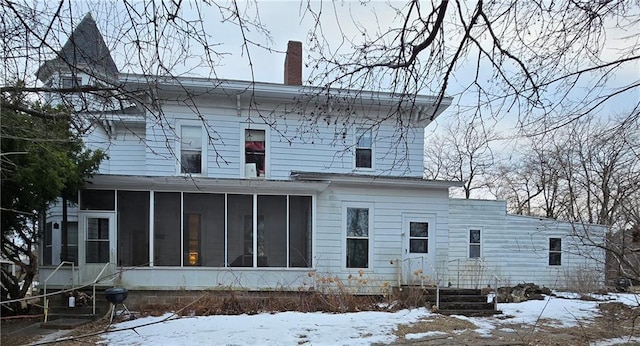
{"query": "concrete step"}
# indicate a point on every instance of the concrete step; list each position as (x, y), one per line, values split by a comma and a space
(463, 298)
(64, 323)
(467, 306)
(470, 313)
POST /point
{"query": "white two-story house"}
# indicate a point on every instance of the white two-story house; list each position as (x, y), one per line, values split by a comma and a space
(246, 185)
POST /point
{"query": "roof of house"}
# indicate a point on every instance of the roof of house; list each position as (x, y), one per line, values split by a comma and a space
(85, 48)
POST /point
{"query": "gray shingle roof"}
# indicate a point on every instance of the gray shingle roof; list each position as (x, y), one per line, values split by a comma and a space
(85, 49)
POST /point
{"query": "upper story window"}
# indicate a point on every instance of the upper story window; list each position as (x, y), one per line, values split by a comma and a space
(555, 251)
(191, 149)
(70, 82)
(475, 246)
(255, 153)
(364, 148)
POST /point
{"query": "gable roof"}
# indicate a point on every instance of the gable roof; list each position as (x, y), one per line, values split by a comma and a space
(85, 50)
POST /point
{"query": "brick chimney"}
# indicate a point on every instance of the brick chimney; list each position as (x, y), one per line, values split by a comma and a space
(293, 64)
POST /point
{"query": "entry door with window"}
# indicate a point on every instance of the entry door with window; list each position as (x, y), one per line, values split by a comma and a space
(418, 261)
(97, 245)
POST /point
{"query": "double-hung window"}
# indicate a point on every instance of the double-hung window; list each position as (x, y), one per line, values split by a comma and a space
(357, 237)
(555, 251)
(475, 246)
(191, 149)
(364, 148)
(255, 153)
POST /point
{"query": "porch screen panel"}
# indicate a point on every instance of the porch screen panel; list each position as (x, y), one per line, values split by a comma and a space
(166, 237)
(133, 228)
(272, 231)
(97, 200)
(203, 230)
(240, 230)
(300, 231)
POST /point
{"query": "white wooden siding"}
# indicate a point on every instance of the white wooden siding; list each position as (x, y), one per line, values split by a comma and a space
(292, 145)
(515, 248)
(128, 145)
(387, 246)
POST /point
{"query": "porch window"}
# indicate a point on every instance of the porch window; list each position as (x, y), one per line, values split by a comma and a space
(190, 149)
(97, 200)
(133, 228)
(97, 244)
(203, 229)
(555, 251)
(166, 237)
(300, 231)
(255, 153)
(364, 148)
(418, 237)
(357, 237)
(240, 230)
(474, 243)
(272, 231)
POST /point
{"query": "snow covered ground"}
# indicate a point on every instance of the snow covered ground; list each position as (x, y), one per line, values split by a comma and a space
(362, 328)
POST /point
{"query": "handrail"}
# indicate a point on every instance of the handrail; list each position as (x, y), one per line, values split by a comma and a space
(95, 281)
(400, 265)
(46, 300)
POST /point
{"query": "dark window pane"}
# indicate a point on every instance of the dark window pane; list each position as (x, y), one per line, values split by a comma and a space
(357, 253)
(204, 235)
(418, 229)
(555, 244)
(363, 158)
(272, 231)
(133, 228)
(166, 220)
(97, 228)
(240, 230)
(474, 251)
(48, 244)
(300, 216)
(418, 246)
(97, 200)
(357, 222)
(474, 236)
(191, 162)
(97, 251)
(555, 258)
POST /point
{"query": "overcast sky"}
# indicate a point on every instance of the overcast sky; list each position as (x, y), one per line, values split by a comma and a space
(291, 20)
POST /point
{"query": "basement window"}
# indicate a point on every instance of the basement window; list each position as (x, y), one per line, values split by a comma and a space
(555, 251)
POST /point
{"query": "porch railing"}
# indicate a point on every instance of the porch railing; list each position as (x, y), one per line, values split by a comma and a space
(401, 263)
(95, 282)
(46, 297)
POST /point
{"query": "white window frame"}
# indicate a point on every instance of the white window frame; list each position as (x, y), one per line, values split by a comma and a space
(554, 252)
(469, 244)
(267, 149)
(203, 150)
(343, 258)
(355, 148)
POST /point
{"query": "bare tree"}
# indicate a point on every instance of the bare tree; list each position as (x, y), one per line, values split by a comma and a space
(461, 152)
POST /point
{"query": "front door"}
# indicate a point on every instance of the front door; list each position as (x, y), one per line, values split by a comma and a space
(418, 261)
(97, 248)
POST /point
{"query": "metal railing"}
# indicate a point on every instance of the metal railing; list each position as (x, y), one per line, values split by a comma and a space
(423, 259)
(46, 298)
(95, 282)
